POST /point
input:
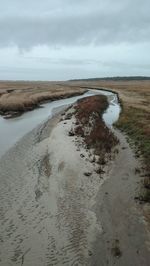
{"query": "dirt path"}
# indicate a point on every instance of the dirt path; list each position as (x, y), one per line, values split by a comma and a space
(125, 239)
(56, 210)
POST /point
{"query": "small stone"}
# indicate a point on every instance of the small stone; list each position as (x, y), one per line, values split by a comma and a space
(71, 133)
(87, 174)
(90, 253)
(123, 148)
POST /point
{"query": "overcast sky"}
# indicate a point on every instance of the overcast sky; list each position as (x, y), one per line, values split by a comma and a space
(65, 39)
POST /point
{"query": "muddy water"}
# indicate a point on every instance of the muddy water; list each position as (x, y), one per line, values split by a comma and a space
(14, 129)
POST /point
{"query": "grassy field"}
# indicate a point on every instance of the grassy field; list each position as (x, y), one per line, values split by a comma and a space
(18, 97)
(134, 119)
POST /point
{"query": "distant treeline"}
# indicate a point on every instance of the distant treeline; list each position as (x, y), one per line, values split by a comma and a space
(114, 78)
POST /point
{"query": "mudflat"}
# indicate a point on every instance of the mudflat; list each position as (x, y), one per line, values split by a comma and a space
(57, 208)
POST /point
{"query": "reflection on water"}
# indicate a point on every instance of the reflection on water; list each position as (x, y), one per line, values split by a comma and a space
(13, 129)
(112, 113)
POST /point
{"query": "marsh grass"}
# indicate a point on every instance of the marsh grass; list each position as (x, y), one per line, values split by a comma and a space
(134, 96)
(24, 98)
(135, 122)
(91, 127)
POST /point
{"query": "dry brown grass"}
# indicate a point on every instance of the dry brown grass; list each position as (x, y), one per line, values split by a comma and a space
(132, 93)
(24, 96)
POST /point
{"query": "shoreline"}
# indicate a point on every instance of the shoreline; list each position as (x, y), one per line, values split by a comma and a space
(134, 98)
(55, 208)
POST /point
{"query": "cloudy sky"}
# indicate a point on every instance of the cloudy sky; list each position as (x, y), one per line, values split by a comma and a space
(65, 39)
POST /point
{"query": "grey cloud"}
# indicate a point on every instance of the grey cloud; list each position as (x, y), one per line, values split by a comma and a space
(85, 62)
(80, 23)
(63, 39)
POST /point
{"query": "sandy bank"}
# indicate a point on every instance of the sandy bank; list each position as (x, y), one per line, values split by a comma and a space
(57, 210)
(47, 199)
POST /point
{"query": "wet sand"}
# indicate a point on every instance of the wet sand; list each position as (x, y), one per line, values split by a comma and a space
(125, 238)
(53, 213)
(46, 200)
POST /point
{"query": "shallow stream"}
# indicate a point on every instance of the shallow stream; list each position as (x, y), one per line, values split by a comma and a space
(12, 130)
